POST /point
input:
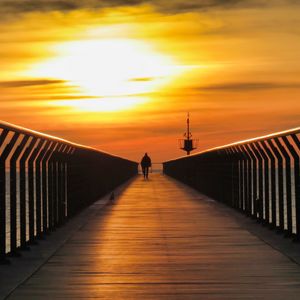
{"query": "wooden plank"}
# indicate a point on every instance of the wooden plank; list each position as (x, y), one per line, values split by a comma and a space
(162, 240)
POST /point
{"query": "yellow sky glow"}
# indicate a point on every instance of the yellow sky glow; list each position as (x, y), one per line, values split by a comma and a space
(122, 78)
(113, 69)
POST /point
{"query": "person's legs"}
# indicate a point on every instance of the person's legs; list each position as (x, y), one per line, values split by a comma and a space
(147, 171)
(144, 171)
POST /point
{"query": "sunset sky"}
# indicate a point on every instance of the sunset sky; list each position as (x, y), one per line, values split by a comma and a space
(121, 75)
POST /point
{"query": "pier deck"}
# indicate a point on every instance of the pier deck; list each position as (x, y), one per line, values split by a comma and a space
(163, 240)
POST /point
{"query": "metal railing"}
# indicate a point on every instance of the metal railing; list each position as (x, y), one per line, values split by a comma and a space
(45, 180)
(260, 177)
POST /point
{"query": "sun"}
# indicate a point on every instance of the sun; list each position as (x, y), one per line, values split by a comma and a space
(116, 70)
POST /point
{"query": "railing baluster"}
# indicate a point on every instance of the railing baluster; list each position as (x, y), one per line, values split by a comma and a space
(297, 185)
(42, 191)
(13, 196)
(248, 176)
(39, 187)
(52, 187)
(265, 166)
(253, 178)
(263, 175)
(3, 259)
(272, 183)
(259, 199)
(31, 190)
(4, 155)
(297, 182)
(23, 192)
(236, 179)
(279, 184)
(287, 179)
(45, 186)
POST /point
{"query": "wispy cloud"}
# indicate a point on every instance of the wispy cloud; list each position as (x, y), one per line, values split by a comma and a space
(24, 83)
(248, 86)
(142, 79)
(174, 6)
(66, 5)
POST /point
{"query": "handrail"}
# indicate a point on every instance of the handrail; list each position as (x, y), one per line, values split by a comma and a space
(24, 130)
(259, 177)
(44, 180)
(260, 138)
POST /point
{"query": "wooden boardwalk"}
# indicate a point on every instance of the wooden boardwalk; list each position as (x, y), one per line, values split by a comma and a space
(162, 240)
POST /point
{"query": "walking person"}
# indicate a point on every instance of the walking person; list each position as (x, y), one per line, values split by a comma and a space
(146, 164)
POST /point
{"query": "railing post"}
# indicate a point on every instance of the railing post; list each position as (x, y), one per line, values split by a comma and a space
(279, 184)
(240, 177)
(57, 184)
(265, 182)
(235, 178)
(295, 156)
(228, 182)
(253, 179)
(248, 177)
(61, 185)
(4, 155)
(246, 159)
(66, 158)
(209, 173)
(31, 190)
(45, 187)
(52, 180)
(287, 185)
(13, 196)
(259, 200)
(271, 157)
(297, 185)
(232, 177)
(69, 184)
(3, 259)
(39, 187)
(223, 175)
(23, 193)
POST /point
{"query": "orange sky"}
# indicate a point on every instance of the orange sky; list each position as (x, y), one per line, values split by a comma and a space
(121, 76)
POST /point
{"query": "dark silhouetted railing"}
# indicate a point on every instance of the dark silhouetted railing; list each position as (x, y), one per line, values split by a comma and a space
(45, 180)
(260, 177)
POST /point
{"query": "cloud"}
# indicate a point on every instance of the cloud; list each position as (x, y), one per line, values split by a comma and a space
(66, 5)
(138, 79)
(174, 6)
(37, 5)
(181, 6)
(24, 83)
(248, 86)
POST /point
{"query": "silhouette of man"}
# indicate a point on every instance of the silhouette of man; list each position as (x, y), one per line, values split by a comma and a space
(146, 164)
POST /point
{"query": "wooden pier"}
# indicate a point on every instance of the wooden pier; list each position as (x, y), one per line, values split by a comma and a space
(163, 240)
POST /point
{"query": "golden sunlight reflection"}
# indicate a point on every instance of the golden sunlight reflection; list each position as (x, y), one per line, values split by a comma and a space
(105, 104)
(113, 69)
